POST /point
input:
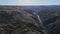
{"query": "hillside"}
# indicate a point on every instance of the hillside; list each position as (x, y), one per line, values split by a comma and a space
(17, 21)
(20, 20)
(51, 20)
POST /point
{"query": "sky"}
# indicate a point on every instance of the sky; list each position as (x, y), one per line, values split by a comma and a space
(29, 2)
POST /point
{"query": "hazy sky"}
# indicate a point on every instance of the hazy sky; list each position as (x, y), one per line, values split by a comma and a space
(29, 2)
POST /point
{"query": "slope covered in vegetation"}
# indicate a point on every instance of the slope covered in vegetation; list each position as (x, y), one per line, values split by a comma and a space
(16, 20)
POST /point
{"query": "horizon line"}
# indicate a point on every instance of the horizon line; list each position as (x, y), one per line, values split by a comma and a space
(29, 5)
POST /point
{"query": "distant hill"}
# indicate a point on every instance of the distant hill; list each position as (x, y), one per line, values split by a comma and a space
(37, 8)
